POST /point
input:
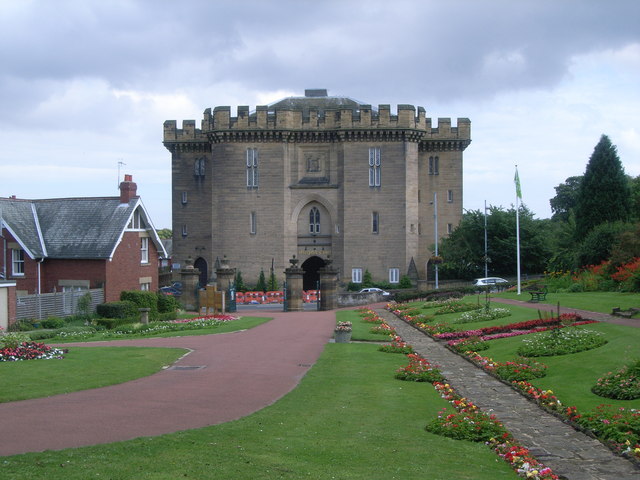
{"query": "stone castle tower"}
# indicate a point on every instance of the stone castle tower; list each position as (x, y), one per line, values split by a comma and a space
(316, 176)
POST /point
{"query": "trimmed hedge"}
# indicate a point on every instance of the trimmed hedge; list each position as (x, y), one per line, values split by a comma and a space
(431, 295)
(167, 303)
(122, 309)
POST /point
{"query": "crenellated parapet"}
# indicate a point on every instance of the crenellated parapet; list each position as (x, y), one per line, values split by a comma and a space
(298, 119)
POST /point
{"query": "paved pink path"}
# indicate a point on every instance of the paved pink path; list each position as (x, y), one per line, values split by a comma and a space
(243, 372)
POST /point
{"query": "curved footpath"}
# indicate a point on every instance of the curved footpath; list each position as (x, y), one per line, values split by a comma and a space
(232, 375)
(569, 453)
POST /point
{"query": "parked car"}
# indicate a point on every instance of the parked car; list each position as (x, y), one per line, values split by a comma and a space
(171, 291)
(483, 282)
(379, 291)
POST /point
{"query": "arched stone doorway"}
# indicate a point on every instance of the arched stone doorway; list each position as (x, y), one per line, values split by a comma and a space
(311, 267)
(201, 264)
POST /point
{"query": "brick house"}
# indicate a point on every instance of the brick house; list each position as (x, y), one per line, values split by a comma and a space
(64, 244)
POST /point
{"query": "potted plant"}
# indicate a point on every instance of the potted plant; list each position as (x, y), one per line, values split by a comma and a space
(342, 332)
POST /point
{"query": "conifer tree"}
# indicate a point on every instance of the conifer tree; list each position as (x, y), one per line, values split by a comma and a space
(604, 194)
(261, 286)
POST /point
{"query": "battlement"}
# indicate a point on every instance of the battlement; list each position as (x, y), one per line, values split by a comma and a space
(283, 117)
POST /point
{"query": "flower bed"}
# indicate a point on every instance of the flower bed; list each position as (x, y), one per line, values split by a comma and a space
(397, 345)
(518, 370)
(383, 329)
(419, 370)
(483, 315)
(561, 342)
(622, 385)
(30, 351)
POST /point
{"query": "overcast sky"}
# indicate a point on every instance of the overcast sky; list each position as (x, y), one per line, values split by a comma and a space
(87, 84)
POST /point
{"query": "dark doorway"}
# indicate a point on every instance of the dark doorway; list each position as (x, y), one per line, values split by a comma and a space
(311, 274)
(201, 264)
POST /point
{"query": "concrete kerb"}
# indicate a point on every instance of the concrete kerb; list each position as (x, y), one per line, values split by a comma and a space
(569, 453)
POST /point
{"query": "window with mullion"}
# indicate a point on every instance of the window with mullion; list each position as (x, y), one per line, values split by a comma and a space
(252, 168)
(17, 262)
(374, 167)
(314, 221)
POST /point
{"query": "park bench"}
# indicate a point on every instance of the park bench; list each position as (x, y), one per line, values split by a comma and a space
(537, 292)
(628, 313)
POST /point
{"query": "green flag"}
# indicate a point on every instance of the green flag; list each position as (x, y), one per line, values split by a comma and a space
(517, 180)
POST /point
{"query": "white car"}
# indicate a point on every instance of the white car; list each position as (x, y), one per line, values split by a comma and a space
(483, 282)
(375, 290)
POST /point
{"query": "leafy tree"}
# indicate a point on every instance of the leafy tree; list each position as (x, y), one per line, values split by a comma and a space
(604, 194)
(463, 250)
(164, 233)
(626, 246)
(261, 286)
(634, 187)
(566, 198)
(598, 243)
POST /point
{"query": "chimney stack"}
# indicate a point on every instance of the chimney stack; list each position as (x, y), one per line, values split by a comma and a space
(127, 189)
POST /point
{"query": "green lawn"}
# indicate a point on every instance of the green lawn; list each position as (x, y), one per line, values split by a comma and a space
(602, 302)
(81, 369)
(361, 329)
(571, 376)
(348, 419)
(243, 323)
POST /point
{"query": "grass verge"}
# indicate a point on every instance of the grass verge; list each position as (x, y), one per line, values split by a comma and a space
(81, 369)
(348, 419)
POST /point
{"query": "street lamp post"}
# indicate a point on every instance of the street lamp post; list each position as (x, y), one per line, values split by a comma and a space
(486, 270)
(435, 229)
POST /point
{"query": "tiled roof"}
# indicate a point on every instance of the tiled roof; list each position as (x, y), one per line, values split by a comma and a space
(83, 227)
(70, 227)
(21, 219)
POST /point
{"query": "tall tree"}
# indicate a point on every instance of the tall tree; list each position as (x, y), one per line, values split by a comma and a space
(463, 250)
(566, 198)
(604, 194)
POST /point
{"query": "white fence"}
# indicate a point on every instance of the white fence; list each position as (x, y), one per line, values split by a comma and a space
(59, 304)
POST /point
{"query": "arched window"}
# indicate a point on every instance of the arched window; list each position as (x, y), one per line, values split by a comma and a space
(314, 220)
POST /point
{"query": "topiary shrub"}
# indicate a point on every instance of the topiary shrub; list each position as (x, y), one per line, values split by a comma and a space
(142, 300)
(122, 309)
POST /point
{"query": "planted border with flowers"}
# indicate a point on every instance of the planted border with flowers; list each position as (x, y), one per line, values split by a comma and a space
(622, 385)
(621, 418)
(469, 423)
(419, 370)
(30, 351)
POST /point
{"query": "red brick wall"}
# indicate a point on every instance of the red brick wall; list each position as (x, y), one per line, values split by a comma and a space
(29, 281)
(125, 270)
(54, 270)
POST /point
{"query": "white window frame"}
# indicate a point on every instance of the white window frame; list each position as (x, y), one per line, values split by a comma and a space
(356, 275)
(184, 230)
(314, 221)
(450, 196)
(252, 168)
(145, 287)
(184, 198)
(375, 223)
(394, 275)
(253, 224)
(374, 167)
(17, 262)
(144, 250)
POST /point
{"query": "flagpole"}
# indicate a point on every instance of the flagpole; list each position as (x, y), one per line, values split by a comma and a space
(518, 197)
